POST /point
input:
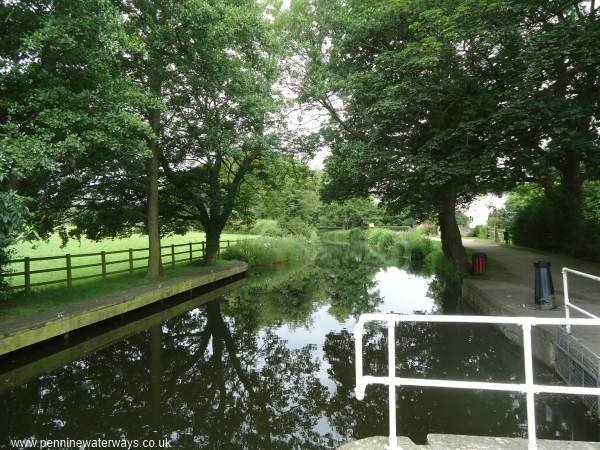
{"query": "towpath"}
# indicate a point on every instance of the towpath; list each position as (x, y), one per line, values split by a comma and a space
(507, 289)
(515, 266)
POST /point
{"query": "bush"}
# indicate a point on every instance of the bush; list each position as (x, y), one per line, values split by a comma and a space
(357, 234)
(297, 227)
(380, 237)
(388, 240)
(264, 251)
(479, 231)
(411, 244)
(267, 227)
(416, 245)
(353, 235)
(429, 229)
(551, 224)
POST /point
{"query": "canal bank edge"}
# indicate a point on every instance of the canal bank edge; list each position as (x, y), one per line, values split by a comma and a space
(461, 442)
(24, 332)
(52, 361)
(571, 357)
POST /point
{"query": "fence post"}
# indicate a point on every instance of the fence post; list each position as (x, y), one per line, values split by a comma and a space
(130, 260)
(202, 248)
(27, 274)
(69, 271)
(173, 255)
(191, 257)
(103, 260)
(227, 243)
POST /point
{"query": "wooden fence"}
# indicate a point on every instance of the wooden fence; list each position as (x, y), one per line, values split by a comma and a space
(173, 254)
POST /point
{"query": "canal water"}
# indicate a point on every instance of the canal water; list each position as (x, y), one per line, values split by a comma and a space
(269, 364)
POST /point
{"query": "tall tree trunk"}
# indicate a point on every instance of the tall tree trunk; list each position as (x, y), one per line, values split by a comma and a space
(213, 238)
(155, 268)
(568, 227)
(451, 239)
(572, 179)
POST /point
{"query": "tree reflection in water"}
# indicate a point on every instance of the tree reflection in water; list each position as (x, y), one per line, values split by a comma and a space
(199, 379)
(272, 367)
(349, 272)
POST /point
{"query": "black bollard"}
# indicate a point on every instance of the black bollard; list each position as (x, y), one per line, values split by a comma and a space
(544, 288)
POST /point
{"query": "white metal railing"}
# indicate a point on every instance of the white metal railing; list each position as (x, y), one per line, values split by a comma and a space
(568, 303)
(528, 388)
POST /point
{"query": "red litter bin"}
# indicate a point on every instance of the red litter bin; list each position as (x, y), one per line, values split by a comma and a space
(478, 263)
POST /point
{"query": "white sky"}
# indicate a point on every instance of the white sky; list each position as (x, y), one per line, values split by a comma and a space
(482, 207)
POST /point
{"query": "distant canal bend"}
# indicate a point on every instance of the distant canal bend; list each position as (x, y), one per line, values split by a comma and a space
(270, 365)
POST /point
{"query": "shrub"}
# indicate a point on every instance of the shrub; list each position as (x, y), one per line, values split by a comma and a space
(336, 235)
(482, 231)
(264, 251)
(357, 234)
(267, 227)
(444, 268)
(555, 221)
(297, 227)
(379, 235)
(416, 245)
(429, 229)
(388, 240)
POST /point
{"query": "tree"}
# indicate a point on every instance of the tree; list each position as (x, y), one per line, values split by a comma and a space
(353, 212)
(217, 70)
(13, 217)
(411, 88)
(65, 109)
(551, 115)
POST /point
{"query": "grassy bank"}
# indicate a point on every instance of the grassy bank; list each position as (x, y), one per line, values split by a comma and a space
(53, 247)
(424, 253)
(60, 296)
(265, 251)
(354, 234)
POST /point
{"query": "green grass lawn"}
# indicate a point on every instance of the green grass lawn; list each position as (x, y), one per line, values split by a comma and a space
(58, 296)
(53, 247)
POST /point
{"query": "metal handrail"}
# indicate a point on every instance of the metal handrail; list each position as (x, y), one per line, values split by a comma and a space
(568, 304)
(529, 387)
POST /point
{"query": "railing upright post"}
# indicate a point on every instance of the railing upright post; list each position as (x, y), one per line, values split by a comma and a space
(173, 255)
(567, 302)
(191, 257)
(103, 262)
(393, 443)
(69, 271)
(202, 248)
(358, 391)
(529, 386)
(130, 260)
(27, 274)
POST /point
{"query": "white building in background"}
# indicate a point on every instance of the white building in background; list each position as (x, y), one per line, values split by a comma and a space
(479, 209)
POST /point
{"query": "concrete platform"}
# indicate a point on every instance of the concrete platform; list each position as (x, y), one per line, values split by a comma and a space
(458, 442)
(24, 332)
(508, 290)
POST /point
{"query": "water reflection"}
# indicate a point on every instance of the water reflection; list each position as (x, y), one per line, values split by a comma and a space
(271, 365)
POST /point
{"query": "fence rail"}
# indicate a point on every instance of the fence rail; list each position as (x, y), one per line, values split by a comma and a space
(568, 304)
(173, 254)
(529, 388)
